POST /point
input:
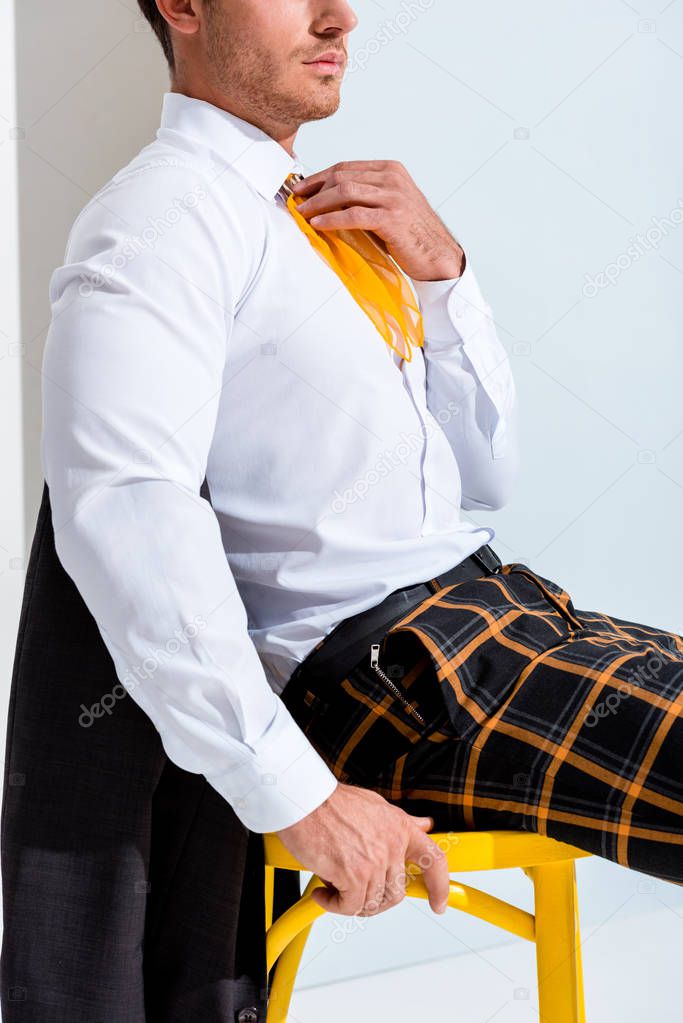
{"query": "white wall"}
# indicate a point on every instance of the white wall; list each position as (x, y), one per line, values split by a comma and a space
(12, 535)
(80, 89)
(548, 137)
(89, 91)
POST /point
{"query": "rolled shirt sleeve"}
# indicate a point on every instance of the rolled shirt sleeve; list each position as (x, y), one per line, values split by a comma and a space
(466, 363)
(142, 312)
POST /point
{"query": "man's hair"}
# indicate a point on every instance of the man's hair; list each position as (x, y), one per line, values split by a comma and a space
(160, 26)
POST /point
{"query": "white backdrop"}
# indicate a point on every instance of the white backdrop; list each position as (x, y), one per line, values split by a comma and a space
(548, 138)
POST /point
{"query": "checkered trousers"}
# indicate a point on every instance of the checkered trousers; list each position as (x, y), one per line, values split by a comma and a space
(499, 705)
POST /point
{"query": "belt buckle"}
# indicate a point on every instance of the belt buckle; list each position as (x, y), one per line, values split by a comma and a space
(488, 558)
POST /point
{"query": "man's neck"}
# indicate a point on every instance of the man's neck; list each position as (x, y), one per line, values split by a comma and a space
(284, 135)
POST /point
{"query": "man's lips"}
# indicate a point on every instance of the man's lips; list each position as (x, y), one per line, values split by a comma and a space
(331, 61)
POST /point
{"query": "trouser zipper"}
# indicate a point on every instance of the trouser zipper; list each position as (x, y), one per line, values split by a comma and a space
(374, 664)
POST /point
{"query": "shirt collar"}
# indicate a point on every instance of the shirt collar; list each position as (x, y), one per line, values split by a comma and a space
(262, 161)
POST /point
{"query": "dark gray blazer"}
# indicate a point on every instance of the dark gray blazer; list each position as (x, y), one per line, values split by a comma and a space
(131, 890)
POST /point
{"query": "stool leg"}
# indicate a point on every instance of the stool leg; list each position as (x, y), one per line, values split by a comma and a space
(559, 986)
(269, 894)
(579, 963)
(284, 976)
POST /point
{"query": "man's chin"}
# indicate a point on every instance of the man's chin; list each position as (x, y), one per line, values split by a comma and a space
(319, 107)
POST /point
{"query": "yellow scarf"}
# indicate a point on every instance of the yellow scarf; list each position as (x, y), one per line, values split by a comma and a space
(371, 275)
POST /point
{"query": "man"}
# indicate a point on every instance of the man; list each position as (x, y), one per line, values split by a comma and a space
(260, 501)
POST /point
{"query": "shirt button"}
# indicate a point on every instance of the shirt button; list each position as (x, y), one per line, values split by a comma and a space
(249, 1015)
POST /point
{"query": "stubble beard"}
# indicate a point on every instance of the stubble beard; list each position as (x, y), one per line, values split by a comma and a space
(238, 69)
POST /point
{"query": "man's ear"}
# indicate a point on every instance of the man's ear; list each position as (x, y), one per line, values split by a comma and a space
(182, 15)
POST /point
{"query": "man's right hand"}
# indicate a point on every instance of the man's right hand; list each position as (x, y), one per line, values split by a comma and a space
(358, 844)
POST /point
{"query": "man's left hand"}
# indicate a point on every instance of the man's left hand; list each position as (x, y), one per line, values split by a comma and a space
(380, 196)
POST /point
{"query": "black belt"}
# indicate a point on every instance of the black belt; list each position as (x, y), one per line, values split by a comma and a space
(342, 649)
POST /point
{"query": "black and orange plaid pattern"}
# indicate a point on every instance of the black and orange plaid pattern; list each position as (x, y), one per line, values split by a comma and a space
(531, 715)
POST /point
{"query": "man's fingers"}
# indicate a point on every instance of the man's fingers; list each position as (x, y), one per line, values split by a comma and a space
(433, 863)
(331, 899)
(305, 189)
(338, 196)
(427, 823)
(368, 218)
(347, 901)
(355, 167)
(327, 899)
(363, 900)
(374, 895)
(396, 883)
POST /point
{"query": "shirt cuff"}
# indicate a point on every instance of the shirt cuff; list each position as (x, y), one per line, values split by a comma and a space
(284, 781)
(452, 310)
(457, 318)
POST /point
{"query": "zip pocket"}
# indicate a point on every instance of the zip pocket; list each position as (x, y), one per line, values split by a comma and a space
(393, 688)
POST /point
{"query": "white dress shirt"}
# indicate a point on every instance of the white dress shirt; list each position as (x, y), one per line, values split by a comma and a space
(196, 333)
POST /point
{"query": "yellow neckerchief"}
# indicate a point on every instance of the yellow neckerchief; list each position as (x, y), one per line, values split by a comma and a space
(371, 275)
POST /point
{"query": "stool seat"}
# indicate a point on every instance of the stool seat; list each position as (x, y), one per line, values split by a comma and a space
(465, 850)
(553, 926)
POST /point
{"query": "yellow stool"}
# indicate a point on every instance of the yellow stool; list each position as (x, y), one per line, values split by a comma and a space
(554, 925)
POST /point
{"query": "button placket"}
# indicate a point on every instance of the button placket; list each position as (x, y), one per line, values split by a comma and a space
(414, 381)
